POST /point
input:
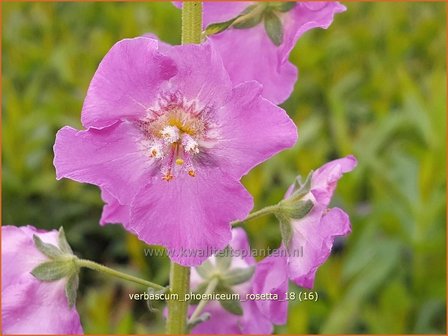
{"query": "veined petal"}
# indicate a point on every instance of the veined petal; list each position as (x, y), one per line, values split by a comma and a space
(324, 180)
(252, 129)
(201, 75)
(271, 66)
(191, 214)
(315, 233)
(110, 158)
(306, 16)
(277, 77)
(113, 211)
(126, 82)
(271, 276)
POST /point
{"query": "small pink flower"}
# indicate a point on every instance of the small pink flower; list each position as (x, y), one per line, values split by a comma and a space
(249, 53)
(314, 234)
(30, 306)
(168, 138)
(258, 316)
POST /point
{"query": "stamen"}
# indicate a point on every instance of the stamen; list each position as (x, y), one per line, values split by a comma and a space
(156, 151)
(168, 176)
(170, 134)
(190, 145)
(192, 173)
(179, 162)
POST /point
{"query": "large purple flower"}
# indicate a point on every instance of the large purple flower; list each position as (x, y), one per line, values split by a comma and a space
(258, 315)
(30, 306)
(168, 138)
(312, 236)
(258, 43)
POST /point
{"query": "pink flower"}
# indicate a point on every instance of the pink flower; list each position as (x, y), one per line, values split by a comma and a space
(30, 306)
(249, 53)
(314, 234)
(258, 316)
(168, 138)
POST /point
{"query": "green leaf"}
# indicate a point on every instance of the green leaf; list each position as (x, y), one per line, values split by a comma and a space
(216, 28)
(273, 27)
(233, 306)
(71, 289)
(54, 270)
(238, 276)
(49, 250)
(62, 241)
(224, 259)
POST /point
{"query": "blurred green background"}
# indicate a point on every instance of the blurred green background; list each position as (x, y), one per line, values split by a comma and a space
(373, 84)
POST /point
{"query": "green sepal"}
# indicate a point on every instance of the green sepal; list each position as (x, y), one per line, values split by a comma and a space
(285, 229)
(205, 270)
(238, 276)
(249, 18)
(273, 27)
(300, 209)
(216, 28)
(62, 242)
(224, 259)
(233, 306)
(48, 250)
(54, 270)
(284, 6)
(199, 290)
(303, 188)
(71, 289)
(152, 291)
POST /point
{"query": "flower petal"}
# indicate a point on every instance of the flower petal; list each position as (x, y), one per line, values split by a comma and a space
(315, 233)
(306, 16)
(113, 211)
(324, 180)
(111, 158)
(271, 276)
(126, 82)
(252, 129)
(271, 66)
(189, 215)
(195, 63)
(220, 322)
(240, 244)
(277, 77)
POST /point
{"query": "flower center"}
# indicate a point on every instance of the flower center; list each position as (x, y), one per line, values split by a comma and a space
(173, 133)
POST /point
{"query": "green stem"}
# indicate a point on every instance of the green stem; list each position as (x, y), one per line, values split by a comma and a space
(191, 22)
(179, 275)
(178, 308)
(209, 290)
(271, 209)
(109, 271)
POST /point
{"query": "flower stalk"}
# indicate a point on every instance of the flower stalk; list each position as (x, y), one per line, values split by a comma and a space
(191, 22)
(180, 275)
(269, 210)
(109, 271)
(200, 307)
